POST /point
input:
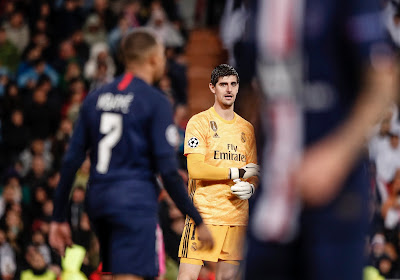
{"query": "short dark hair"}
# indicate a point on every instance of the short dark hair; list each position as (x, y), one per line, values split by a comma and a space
(223, 70)
(137, 43)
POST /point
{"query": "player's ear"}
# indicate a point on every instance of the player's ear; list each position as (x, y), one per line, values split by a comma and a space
(212, 87)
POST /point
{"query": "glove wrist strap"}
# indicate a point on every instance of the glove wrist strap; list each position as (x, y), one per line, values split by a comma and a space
(234, 173)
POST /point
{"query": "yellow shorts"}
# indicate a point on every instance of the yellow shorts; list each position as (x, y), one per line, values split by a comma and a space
(228, 244)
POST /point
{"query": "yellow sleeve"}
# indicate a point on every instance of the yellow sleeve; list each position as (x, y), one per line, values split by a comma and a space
(199, 170)
(196, 136)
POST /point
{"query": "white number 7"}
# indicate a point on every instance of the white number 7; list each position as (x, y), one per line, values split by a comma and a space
(111, 126)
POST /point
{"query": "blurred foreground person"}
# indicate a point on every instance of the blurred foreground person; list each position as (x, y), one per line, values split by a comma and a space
(328, 75)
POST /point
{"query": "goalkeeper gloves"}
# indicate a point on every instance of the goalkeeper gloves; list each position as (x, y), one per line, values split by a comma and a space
(245, 172)
(242, 189)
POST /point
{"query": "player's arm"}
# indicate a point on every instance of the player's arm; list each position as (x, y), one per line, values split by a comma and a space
(199, 170)
(60, 235)
(327, 163)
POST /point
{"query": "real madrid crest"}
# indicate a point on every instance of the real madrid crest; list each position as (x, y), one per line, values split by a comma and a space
(194, 246)
(213, 125)
(243, 137)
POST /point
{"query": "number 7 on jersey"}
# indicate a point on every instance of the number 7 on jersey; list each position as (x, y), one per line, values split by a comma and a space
(111, 126)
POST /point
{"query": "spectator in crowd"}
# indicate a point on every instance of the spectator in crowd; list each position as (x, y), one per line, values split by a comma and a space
(40, 67)
(66, 54)
(39, 115)
(39, 241)
(102, 9)
(52, 182)
(117, 33)
(77, 92)
(164, 29)
(41, 40)
(28, 58)
(9, 56)
(37, 175)
(101, 77)
(8, 263)
(131, 13)
(39, 197)
(60, 141)
(14, 228)
(12, 101)
(94, 31)
(37, 266)
(79, 44)
(12, 193)
(69, 18)
(73, 71)
(177, 71)
(99, 53)
(36, 148)
(17, 31)
(15, 135)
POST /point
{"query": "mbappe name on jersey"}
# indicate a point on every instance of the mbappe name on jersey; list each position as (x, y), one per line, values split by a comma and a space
(114, 102)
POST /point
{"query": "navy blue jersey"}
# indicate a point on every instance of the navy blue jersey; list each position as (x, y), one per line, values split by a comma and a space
(126, 124)
(339, 39)
(127, 129)
(311, 65)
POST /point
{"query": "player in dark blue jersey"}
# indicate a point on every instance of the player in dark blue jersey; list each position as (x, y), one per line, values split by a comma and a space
(328, 74)
(126, 128)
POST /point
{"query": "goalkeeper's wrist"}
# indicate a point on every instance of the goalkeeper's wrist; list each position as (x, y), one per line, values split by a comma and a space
(233, 173)
(236, 173)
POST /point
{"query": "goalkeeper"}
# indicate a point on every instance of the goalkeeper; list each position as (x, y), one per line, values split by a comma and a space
(221, 155)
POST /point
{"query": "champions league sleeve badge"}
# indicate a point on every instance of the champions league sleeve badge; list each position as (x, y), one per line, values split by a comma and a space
(193, 142)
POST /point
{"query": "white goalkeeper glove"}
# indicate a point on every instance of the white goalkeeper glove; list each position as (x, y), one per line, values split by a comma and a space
(245, 172)
(242, 189)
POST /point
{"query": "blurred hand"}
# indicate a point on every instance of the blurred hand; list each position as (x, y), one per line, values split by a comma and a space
(60, 237)
(205, 237)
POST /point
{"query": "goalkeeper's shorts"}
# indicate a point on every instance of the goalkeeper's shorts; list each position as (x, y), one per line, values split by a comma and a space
(228, 244)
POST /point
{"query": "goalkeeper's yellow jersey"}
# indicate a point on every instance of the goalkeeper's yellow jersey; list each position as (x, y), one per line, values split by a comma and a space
(224, 144)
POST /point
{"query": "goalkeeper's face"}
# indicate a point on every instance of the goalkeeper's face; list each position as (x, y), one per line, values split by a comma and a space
(225, 90)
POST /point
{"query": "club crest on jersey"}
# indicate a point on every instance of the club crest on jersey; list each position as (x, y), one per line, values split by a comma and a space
(213, 126)
(194, 246)
(193, 142)
(243, 137)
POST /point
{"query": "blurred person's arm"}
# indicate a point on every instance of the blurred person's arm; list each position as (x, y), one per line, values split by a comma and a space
(326, 164)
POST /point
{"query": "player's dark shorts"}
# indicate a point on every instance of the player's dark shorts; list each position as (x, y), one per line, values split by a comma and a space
(329, 246)
(124, 217)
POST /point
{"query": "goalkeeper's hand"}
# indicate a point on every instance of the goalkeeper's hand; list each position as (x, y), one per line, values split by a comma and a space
(242, 189)
(245, 172)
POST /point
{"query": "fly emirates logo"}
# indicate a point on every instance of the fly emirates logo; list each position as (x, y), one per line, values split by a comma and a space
(231, 154)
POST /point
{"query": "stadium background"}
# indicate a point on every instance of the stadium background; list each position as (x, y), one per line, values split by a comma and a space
(53, 52)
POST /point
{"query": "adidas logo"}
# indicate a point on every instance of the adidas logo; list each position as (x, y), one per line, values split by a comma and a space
(216, 135)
